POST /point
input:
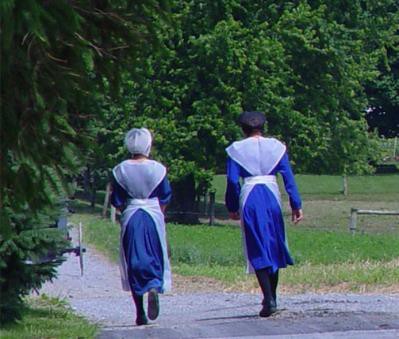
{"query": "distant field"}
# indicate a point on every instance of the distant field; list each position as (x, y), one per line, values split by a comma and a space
(321, 187)
(384, 187)
(325, 207)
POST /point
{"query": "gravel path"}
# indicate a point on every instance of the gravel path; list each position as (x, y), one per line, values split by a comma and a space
(98, 296)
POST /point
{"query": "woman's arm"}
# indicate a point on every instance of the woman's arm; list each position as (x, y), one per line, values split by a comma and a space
(164, 193)
(233, 189)
(284, 168)
(118, 196)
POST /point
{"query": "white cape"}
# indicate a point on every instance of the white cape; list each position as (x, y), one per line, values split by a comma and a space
(257, 155)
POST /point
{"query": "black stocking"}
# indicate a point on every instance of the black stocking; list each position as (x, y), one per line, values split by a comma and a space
(138, 301)
(273, 284)
(264, 283)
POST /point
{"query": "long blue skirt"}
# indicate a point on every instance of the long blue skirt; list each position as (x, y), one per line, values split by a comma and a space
(264, 231)
(143, 254)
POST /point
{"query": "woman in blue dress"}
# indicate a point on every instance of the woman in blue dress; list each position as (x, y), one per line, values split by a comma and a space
(257, 203)
(141, 191)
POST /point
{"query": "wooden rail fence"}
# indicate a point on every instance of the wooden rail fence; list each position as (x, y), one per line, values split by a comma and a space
(355, 212)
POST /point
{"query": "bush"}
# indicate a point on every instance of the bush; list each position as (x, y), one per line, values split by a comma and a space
(28, 257)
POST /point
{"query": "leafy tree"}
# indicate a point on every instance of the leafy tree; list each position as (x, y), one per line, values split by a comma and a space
(190, 101)
(304, 63)
(56, 56)
(383, 113)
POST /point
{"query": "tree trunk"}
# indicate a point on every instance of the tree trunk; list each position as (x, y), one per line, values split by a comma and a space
(86, 183)
(183, 208)
(93, 197)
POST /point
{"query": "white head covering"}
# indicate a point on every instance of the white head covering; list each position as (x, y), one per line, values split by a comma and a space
(138, 141)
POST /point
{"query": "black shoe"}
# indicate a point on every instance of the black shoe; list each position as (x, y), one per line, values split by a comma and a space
(268, 309)
(141, 320)
(153, 304)
(273, 303)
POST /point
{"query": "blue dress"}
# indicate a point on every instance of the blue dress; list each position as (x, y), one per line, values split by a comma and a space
(263, 222)
(141, 242)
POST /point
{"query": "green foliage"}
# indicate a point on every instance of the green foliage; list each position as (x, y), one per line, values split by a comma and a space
(27, 259)
(383, 90)
(56, 57)
(304, 63)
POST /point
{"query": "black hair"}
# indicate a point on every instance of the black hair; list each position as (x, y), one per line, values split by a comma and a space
(252, 122)
(248, 130)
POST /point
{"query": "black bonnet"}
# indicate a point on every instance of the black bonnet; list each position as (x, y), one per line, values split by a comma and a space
(252, 119)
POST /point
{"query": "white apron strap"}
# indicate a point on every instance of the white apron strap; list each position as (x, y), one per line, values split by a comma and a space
(249, 183)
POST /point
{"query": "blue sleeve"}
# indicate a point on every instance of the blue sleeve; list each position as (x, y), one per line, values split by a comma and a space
(119, 195)
(284, 168)
(233, 189)
(163, 191)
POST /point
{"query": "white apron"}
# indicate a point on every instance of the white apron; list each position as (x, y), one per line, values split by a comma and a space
(151, 206)
(139, 180)
(249, 183)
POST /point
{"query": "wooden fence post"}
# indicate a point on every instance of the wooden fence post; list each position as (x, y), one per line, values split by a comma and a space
(113, 214)
(211, 208)
(345, 185)
(353, 220)
(106, 199)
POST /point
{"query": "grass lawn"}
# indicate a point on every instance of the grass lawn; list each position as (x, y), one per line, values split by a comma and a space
(326, 208)
(325, 259)
(327, 256)
(49, 318)
(330, 187)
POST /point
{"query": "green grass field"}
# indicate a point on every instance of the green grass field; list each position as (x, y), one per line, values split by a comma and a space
(323, 258)
(325, 207)
(325, 187)
(49, 318)
(327, 255)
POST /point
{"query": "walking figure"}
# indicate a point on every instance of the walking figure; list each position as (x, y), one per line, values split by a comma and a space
(257, 203)
(141, 191)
